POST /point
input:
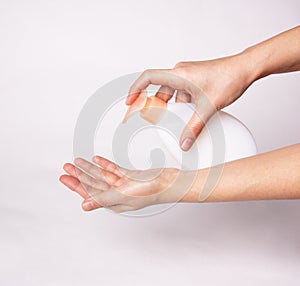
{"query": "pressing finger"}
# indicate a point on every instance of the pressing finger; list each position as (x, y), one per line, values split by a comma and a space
(164, 77)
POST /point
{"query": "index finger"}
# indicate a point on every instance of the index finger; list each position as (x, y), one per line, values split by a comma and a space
(164, 77)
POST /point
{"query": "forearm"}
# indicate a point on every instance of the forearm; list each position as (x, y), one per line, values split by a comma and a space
(272, 175)
(279, 54)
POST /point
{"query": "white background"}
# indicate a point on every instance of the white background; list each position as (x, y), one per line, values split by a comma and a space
(53, 56)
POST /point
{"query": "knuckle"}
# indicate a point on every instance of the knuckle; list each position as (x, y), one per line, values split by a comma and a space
(179, 65)
(126, 192)
(81, 177)
(196, 127)
(146, 73)
(111, 166)
(103, 202)
(193, 129)
(87, 188)
(89, 169)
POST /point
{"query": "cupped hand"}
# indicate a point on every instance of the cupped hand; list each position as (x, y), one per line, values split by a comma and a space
(210, 85)
(118, 189)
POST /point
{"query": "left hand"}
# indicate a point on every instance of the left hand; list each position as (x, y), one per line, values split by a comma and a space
(118, 189)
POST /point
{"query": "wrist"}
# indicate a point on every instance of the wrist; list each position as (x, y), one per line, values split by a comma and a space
(165, 184)
(192, 185)
(253, 62)
(181, 186)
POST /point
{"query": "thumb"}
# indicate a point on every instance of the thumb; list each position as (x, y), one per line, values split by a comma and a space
(191, 131)
(195, 125)
(204, 109)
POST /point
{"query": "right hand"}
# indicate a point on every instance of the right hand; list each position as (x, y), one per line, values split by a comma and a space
(210, 85)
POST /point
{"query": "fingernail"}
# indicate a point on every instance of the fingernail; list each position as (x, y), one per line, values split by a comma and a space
(88, 205)
(186, 144)
(128, 99)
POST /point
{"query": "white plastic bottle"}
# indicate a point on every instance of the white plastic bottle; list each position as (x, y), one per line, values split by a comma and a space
(223, 139)
(139, 144)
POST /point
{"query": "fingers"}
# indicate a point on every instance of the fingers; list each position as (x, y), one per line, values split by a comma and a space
(89, 168)
(74, 184)
(103, 199)
(90, 204)
(97, 200)
(91, 188)
(98, 173)
(165, 93)
(163, 77)
(182, 96)
(109, 166)
(86, 186)
(91, 185)
(70, 169)
(96, 192)
(139, 101)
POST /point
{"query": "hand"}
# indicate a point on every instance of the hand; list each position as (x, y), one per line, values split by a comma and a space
(210, 85)
(116, 188)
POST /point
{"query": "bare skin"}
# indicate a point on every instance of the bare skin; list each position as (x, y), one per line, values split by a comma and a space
(222, 80)
(272, 175)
